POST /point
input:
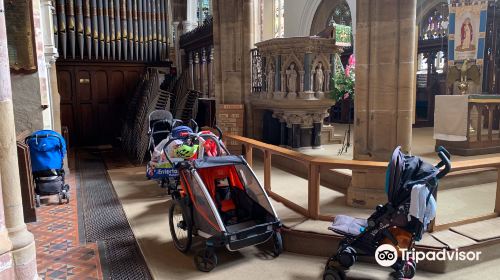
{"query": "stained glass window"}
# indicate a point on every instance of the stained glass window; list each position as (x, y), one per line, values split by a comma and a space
(204, 10)
(340, 15)
(435, 24)
(279, 18)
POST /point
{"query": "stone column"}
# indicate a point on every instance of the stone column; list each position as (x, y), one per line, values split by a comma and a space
(204, 74)
(191, 70)
(23, 245)
(191, 21)
(50, 51)
(294, 123)
(385, 80)
(233, 30)
(6, 268)
(211, 73)
(307, 79)
(196, 66)
(306, 130)
(316, 131)
(283, 127)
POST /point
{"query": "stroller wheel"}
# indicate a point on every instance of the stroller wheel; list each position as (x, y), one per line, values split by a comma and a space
(60, 197)
(37, 200)
(66, 195)
(180, 227)
(333, 274)
(278, 244)
(205, 260)
(347, 257)
(409, 269)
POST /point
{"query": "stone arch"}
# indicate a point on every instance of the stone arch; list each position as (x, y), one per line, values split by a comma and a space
(324, 11)
(425, 6)
(426, 9)
(320, 58)
(292, 58)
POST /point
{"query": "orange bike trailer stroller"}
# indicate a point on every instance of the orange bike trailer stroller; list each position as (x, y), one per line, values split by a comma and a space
(221, 200)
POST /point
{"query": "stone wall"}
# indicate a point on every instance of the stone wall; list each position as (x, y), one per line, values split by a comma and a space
(27, 102)
(30, 91)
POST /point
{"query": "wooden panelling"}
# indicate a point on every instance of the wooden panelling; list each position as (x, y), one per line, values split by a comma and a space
(94, 97)
(26, 178)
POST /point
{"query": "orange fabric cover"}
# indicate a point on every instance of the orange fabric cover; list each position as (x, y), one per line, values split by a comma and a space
(227, 205)
(209, 175)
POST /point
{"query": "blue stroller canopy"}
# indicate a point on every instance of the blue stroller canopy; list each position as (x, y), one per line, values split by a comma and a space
(47, 150)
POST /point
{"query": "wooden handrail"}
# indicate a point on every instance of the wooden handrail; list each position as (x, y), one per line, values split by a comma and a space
(274, 149)
(314, 165)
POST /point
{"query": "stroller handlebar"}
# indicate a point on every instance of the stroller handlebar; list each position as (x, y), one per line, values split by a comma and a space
(219, 131)
(445, 157)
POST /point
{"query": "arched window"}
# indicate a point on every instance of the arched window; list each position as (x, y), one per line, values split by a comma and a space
(279, 18)
(435, 24)
(341, 15)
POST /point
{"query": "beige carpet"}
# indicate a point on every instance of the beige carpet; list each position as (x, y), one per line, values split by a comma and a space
(146, 207)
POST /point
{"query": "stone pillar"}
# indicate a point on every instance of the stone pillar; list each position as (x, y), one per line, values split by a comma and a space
(385, 80)
(211, 73)
(278, 80)
(307, 79)
(6, 268)
(191, 70)
(47, 13)
(23, 245)
(196, 66)
(317, 119)
(294, 123)
(204, 73)
(306, 129)
(191, 21)
(233, 30)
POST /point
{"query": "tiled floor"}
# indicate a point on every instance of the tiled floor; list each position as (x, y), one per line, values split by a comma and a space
(59, 252)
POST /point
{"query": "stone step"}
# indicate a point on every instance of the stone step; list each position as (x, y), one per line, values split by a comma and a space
(312, 237)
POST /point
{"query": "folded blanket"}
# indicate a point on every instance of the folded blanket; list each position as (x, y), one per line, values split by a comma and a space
(348, 225)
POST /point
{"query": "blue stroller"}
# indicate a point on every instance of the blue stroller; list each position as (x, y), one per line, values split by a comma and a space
(47, 150)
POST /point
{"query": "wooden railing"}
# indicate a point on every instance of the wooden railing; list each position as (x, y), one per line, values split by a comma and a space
(314, 164)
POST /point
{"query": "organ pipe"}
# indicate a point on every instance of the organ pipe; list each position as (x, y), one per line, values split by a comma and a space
(70, 12)
(131, 30)
(61, 25)
(87, 22)
(95, 28)
(100, 29)
(79, 26)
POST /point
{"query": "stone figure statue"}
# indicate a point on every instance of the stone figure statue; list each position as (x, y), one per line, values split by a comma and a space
(320, 77)
(270, 79)
(292, 78)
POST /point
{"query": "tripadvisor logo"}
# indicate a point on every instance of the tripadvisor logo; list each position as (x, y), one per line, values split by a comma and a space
(387, 255)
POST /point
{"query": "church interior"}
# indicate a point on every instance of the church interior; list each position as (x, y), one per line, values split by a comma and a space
(246, 139)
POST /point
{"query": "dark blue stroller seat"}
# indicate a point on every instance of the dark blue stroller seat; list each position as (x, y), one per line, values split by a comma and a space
(47, 152)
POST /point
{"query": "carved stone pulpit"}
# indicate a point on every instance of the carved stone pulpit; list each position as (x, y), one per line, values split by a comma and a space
(296, 75)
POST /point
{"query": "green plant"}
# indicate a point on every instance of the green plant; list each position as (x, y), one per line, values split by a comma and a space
(344, 82)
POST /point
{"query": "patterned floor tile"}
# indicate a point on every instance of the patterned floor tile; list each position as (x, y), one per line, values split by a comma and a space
(59, 253)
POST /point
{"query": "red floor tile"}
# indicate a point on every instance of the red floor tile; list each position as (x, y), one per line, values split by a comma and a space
(59, 252)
